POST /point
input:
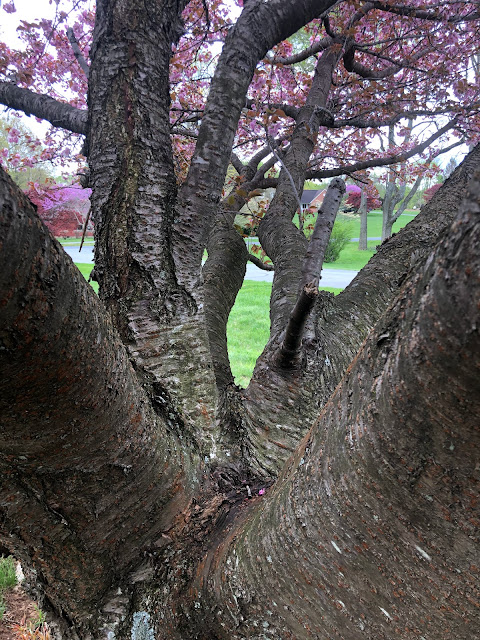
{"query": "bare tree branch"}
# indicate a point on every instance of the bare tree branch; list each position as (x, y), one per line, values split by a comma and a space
(317, 246)
(413, 12)
(296, 324)
(380, 162)
(59, 114)
(312, 267)
(261, 265)
(316, 47)
(77, 52)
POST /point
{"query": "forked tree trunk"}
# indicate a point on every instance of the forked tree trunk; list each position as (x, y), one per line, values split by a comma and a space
(371, 530)
(133, 488)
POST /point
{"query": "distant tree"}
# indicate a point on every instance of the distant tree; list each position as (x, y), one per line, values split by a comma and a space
(63, 208)
(430, 192)
(21, 153)
(372, 200)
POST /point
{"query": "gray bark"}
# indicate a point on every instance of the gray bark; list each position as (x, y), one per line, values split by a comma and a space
(260, 27)
(133, 205)
(363, 239)
(59, 114)
(90, 475)
(139, 467)
(370, 530)
(343, 324)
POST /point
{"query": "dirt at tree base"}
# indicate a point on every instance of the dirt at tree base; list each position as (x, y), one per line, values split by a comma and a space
(20, 610)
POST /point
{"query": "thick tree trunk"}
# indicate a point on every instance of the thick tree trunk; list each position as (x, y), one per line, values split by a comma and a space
(371, 529)
(90, 476)
(133, 202)
(132, 473)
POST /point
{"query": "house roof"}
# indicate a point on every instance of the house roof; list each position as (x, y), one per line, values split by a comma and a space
(309, 194)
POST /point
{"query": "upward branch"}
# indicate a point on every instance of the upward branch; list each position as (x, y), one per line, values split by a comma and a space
(258, 29)
(78, 52)
(312, 268)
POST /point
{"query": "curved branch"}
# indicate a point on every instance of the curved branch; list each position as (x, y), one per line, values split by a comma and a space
(363, 71)
(259, 27)
(59, 114)
(389, 472)
(411, 11)
(344, 324)
(315, 48)
(261, 265)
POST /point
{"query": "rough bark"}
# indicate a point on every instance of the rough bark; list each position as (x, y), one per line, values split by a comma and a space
(275, 395)
(59, 114)
(281, 240)
(146, 479)
(371, 530)
(133, 202)
(259, 28)
(90, 476)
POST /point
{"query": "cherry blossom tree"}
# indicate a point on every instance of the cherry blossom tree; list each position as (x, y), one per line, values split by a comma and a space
(144, 492)
(63, 208)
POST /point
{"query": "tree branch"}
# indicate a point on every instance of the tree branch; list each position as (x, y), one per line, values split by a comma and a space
(317, 246)
(381, 162)
(411, 11)
(59, 114)
(292, 340)
(259, 27)
(76, 426)
(77, 52)
(261, 265)
(343, 326)
(311, 271)
(315, 48)
(357, 482)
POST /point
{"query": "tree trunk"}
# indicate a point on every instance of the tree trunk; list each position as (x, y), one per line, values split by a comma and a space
(91, 475)
(363, 240)
(370, 530)
(150, 497)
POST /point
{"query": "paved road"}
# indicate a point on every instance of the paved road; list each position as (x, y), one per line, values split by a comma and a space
(338, 278)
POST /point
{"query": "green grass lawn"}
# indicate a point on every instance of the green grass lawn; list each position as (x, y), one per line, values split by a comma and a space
(74, 241)
(8, 579)
(374, 222)
(352, 258)
(85, 269)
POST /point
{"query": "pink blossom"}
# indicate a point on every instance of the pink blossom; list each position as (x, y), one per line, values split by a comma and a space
(9, 7)
(261, 492)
